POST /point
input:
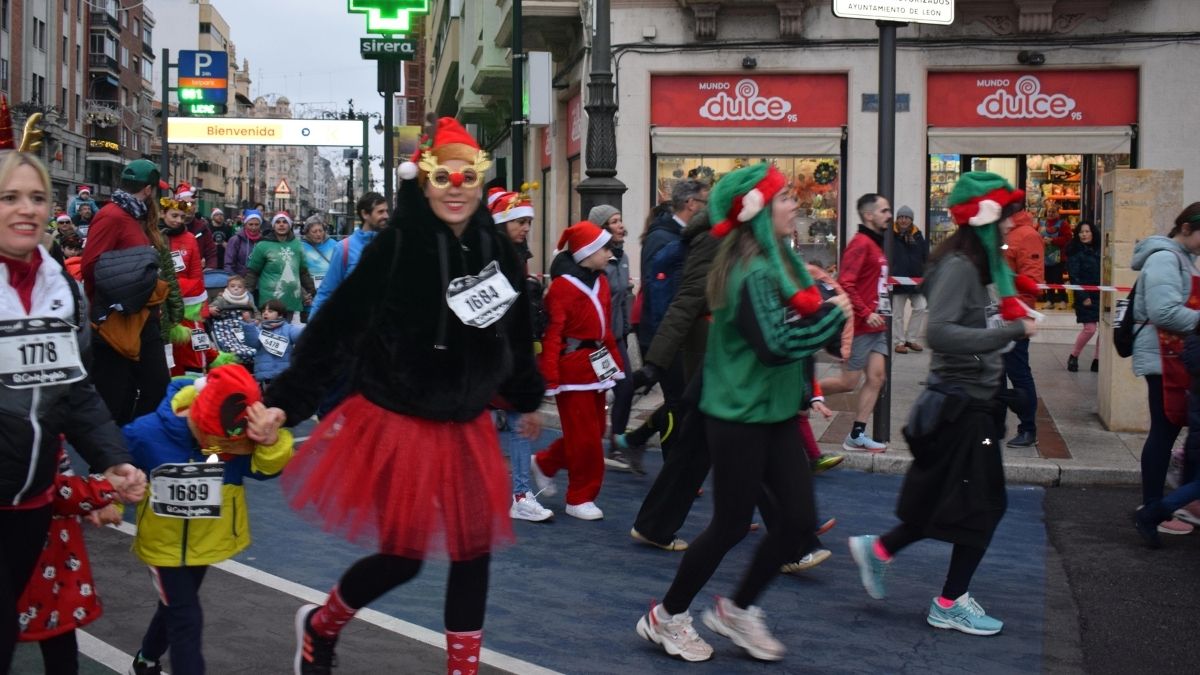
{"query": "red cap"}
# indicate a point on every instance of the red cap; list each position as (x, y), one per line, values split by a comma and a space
(220, 406)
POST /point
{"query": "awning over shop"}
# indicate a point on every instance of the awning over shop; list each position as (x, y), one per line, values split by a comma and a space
(1030, 140)
(105, 157)
(745, 142)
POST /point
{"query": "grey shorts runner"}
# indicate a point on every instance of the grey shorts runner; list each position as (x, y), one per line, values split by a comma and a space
(861, 348)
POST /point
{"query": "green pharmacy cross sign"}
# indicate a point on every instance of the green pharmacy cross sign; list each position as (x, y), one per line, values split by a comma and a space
(388, 16)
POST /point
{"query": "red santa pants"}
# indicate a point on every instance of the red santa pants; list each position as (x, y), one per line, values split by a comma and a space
(580, 449)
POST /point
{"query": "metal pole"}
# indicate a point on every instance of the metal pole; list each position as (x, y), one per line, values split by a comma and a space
(389, 99)
(601, 185)
(350, 193)
(886, 180)
(518, 95)
(164, 155)
(366, 155)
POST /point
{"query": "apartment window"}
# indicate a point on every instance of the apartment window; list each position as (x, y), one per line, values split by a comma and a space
(65, 52)
(146, 35)
(124, 97)
(39, 34)
(137, 27)
(4, 11)
(124, 57)
(78, 158)
(4, 75)
(147, 70)
(78, 11)
(137, 65)
(124, 14)
(78, 101)
(78, 59)
(62, 101)
(38, 95)
(205, 28)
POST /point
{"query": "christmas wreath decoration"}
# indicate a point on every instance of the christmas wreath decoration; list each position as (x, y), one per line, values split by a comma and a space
(825, 173)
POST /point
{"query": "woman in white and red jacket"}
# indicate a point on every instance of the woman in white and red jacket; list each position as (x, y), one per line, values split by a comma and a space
(579, 362)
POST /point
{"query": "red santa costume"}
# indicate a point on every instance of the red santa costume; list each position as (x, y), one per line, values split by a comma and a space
(197, 352)
(579, 362)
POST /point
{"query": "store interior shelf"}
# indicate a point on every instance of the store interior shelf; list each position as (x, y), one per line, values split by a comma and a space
(1061, 198)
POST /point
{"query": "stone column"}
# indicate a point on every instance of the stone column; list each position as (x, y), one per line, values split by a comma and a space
(1134, 204)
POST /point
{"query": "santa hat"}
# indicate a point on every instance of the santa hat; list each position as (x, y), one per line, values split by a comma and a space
(512, 205)
(448, 141)
(494, 194)
(583, 239)
(83, 189)
(252, 214)
(282, 215)
(222, 397)
(741, 197)
(184, 191)
(216, 212)
(981, 200)
(62, 218)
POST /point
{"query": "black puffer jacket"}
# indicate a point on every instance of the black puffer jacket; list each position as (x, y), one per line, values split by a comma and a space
(684, 328)
(388, 324)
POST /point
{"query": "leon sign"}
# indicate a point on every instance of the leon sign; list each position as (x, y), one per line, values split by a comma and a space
(735, 100)
(1046, 98)
(939, 12)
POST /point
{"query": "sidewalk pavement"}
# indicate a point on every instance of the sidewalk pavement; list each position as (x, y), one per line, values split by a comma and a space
(1074, 447)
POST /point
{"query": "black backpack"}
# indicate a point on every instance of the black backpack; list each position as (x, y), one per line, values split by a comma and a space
(1124, 333)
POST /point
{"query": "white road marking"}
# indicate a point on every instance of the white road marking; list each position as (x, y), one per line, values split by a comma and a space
(103, 653)
(371, 616)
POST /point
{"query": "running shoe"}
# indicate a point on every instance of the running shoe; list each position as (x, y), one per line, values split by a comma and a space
(141, 666)
(1147, 528)
(676, 543)
(674, 633)
(545, 484)
(871, 570)
(616, 459)
(826, 526)
(1175, 526)
(1189, 514)
(863, 443)
(585, 511)
(527, 507)
(964, 615)
(807, 561)
(826, 462)
(747, 629)
(314, 654)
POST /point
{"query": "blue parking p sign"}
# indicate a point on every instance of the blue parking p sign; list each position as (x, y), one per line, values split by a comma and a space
(206, 70)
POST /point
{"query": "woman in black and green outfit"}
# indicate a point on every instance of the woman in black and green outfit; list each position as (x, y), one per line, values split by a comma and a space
(768, 320)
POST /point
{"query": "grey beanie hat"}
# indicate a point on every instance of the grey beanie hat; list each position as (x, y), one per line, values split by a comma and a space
(904, 212)
(600, 214)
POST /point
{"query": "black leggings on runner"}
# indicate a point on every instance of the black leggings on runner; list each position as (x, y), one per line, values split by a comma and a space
(60, 654)
(23, 533)
(964, 560)
(466, 589)
(746, 460)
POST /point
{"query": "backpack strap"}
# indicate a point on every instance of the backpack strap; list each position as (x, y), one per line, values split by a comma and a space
(346, 254)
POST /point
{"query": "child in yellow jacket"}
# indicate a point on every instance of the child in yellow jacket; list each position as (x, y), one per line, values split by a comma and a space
(195, 450)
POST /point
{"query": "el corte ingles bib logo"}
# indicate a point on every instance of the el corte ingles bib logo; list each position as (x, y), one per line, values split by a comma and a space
(746, 105)
(1025, 101)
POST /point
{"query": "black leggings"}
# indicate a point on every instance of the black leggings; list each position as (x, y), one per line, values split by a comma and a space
(466, 589)
(964, 560)
(23, 534)
(1156, 452)
(748, 459)
(131, 389)
(60, 654)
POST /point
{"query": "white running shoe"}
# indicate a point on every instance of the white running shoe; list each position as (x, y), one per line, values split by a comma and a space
(674, 634)
(746, 628)
(585, 511)
(863, 443)
(808, 561)
(545, 483)
(528, 508)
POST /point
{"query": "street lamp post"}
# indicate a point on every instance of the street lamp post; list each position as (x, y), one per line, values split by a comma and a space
(601, 185)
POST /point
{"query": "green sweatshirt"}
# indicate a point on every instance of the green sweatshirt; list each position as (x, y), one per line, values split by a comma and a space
(279, 265)
(756, 370)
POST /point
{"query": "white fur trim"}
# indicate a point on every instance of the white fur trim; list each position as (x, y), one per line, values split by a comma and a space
(408, 171)
(597, 244)
(200, 383)
(752, 203)
(591, 386)
(515, 213)
(989, 212)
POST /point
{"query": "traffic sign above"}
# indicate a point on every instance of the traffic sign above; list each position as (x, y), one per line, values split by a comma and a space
(388, 16)
(939, 12)
(282, 191)
(384, 49)
(205, 71)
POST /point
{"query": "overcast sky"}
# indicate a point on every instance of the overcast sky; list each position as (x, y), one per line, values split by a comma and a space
(306, 50)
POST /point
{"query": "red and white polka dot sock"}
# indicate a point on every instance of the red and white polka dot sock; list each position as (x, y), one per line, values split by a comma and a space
(462, 652)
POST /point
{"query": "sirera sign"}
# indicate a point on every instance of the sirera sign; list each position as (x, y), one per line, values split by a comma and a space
(382, 48)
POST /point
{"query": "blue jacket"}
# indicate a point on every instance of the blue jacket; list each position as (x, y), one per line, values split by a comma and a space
(342, 264)
(1167, 272)
(267, 365)
(163, 437)
(319, 258)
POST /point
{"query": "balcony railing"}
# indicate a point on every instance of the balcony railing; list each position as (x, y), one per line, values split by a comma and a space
(104, 62)
(104, 19)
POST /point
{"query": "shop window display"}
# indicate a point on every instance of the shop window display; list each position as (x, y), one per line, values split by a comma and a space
(815, 180)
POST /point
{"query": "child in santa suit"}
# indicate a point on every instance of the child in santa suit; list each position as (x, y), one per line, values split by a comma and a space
(580, 362)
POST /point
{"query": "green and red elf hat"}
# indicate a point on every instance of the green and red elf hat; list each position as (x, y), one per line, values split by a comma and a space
(742, 196)
(981, 200)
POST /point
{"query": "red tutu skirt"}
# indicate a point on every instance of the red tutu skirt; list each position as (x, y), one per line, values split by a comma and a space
(403, 485)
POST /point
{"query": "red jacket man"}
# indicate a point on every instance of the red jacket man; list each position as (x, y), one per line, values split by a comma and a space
(1024, 252)
(863, 268)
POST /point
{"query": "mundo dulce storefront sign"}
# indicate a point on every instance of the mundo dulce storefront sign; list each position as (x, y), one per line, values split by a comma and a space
(790, 100)
(1046, 98)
